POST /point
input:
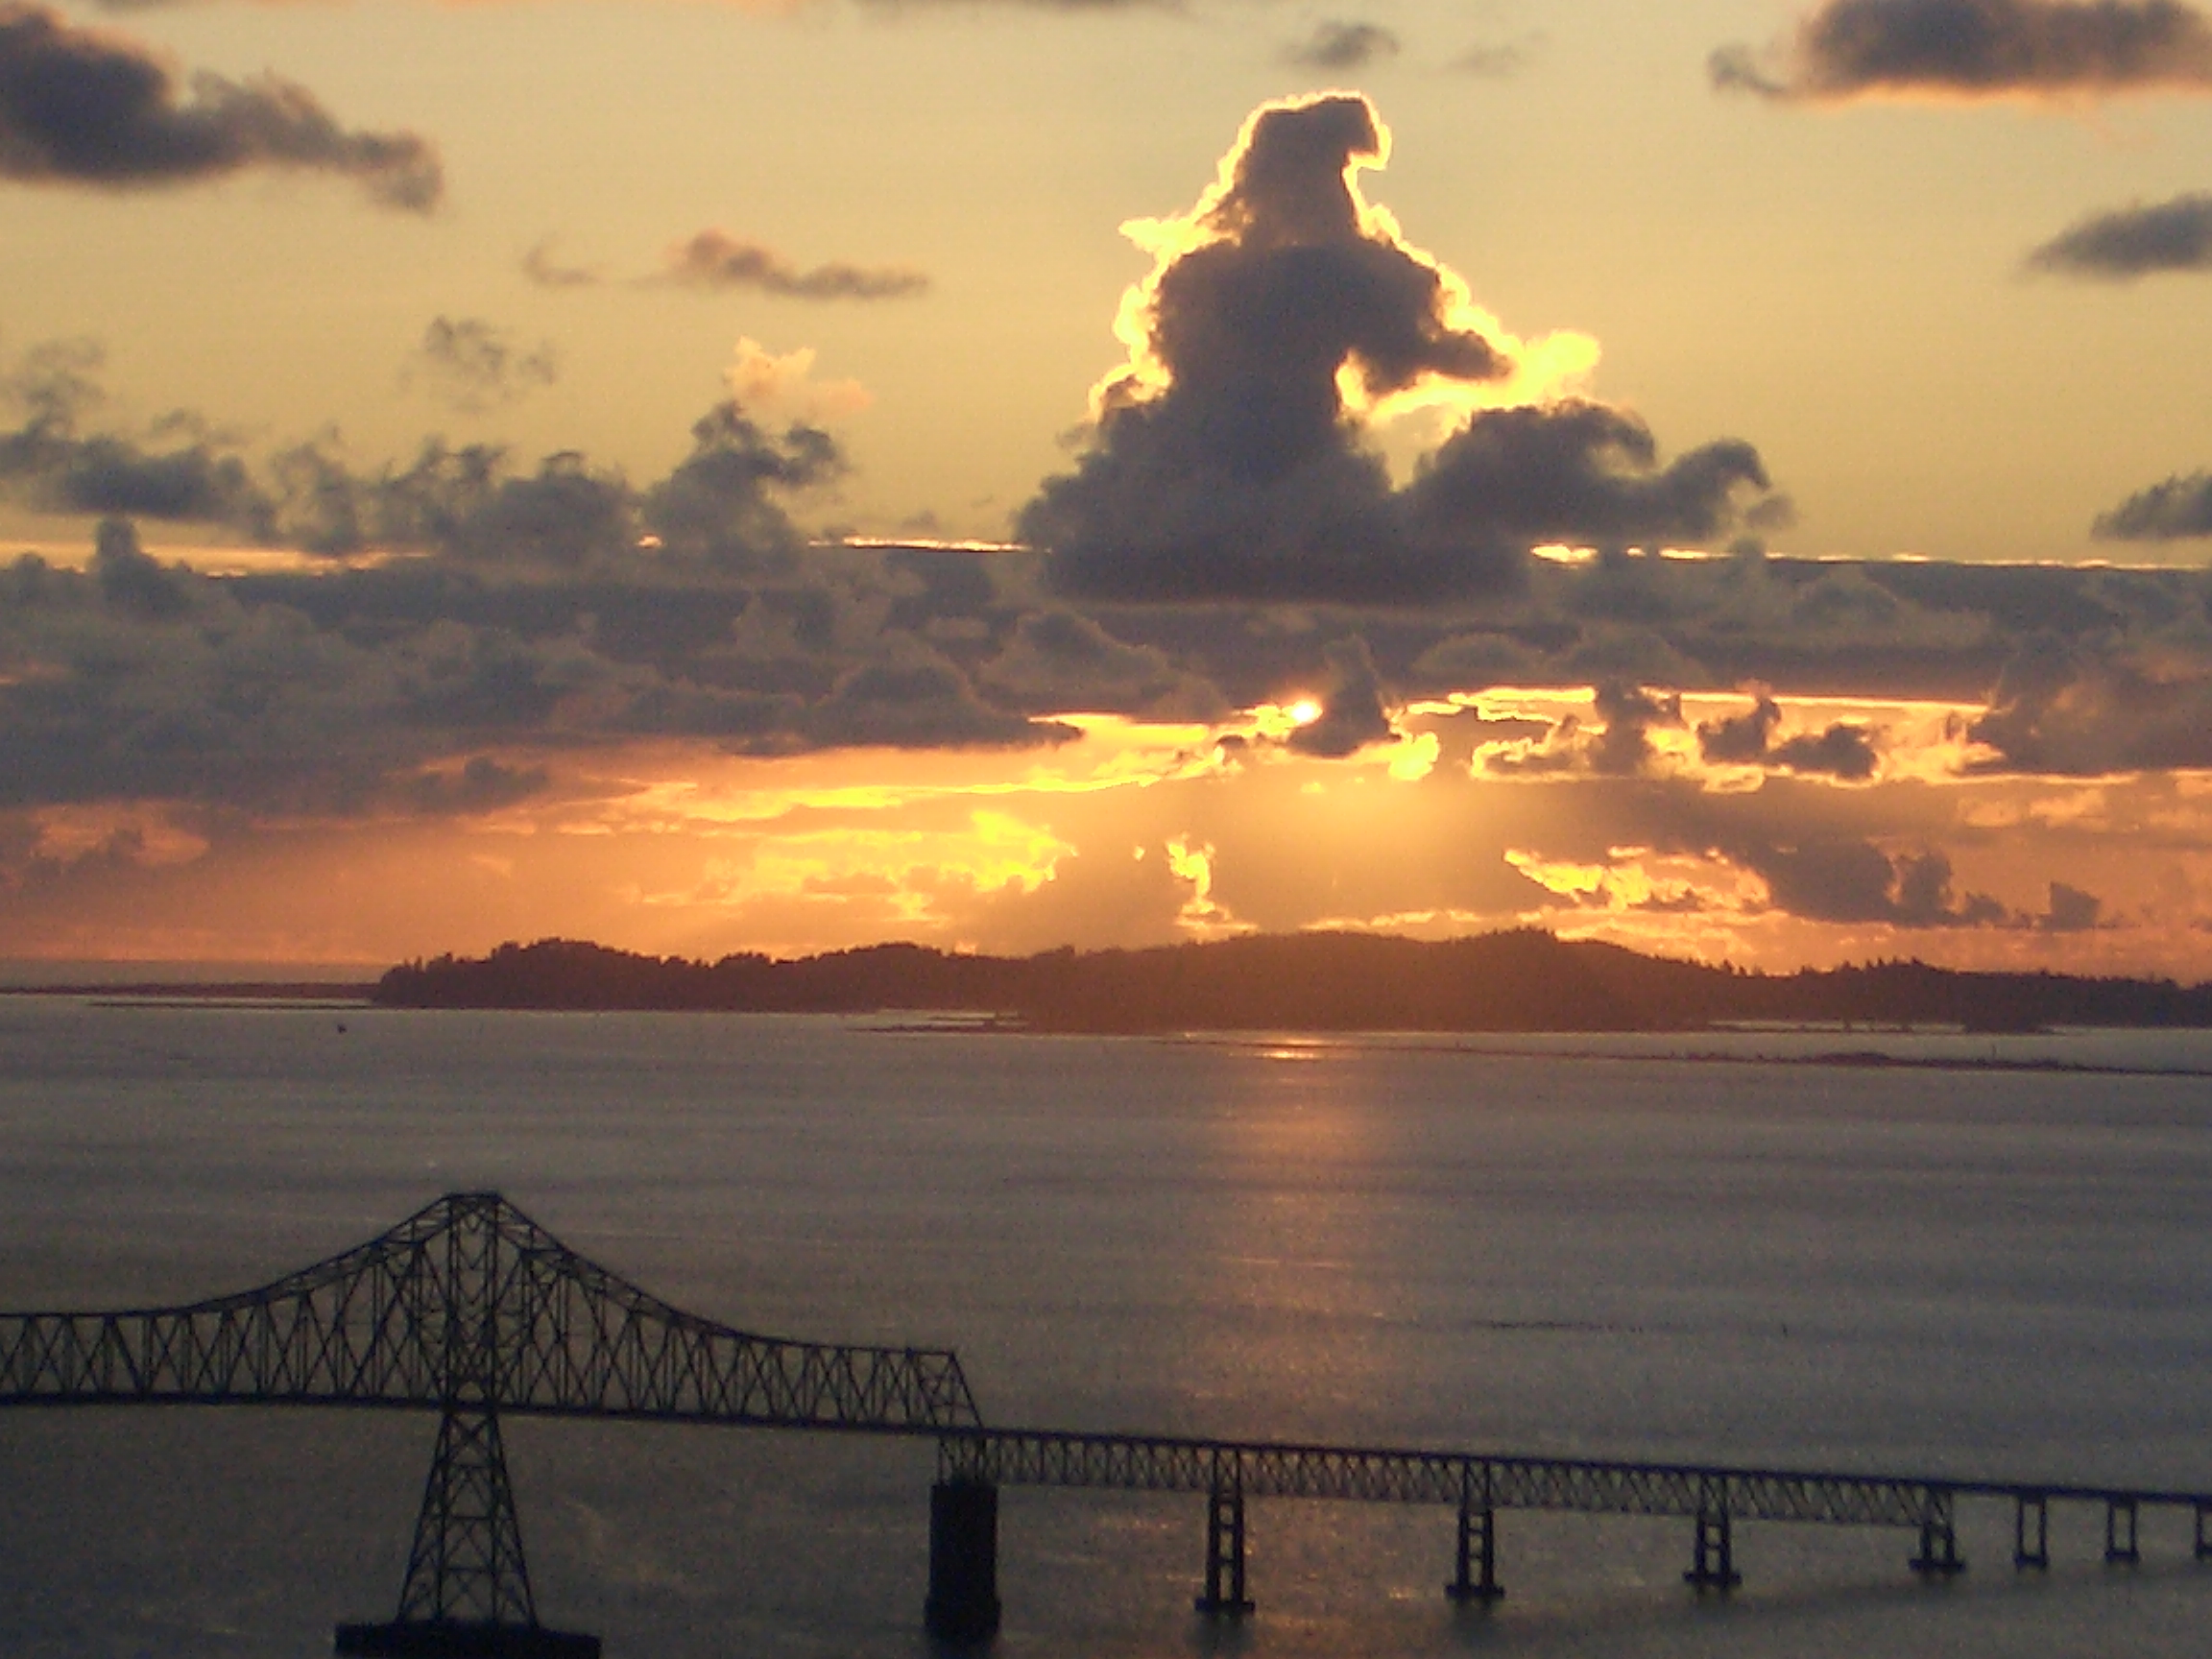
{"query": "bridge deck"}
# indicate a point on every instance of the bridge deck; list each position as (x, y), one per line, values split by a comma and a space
(1377, 1474)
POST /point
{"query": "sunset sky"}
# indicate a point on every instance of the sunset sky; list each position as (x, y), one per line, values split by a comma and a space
(1732, 477)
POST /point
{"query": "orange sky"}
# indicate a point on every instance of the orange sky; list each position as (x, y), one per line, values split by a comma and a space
(1381, 586)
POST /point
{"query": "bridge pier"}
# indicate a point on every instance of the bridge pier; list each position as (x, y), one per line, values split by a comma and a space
(468, 1589)
(1475, 1576)
(963, 1604)
(1713, 1556)
(1224, 1597)
(2120, 1533)
(2204, 1538)
(2032, 1550)
(1939, 1556)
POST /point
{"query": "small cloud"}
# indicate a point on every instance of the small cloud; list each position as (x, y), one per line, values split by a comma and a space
(714, 258)
(542, 269)
(764, 383)
(1340, 46)
(2132, 241)
(2072, 910)
(476, 366)
(1497, 61)
(1977, 49)
(88, 106)
(2176, 510)
(1843, 749)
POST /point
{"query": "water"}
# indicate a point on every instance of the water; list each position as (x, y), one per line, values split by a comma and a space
(1568, 1247)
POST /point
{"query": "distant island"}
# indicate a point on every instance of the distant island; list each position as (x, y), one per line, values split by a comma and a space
(1522, 980)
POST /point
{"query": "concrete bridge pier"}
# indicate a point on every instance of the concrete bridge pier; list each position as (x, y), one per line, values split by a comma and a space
(2032, 1533)
(963, 1604)
(2120, 1533)
(2204, 1537)
(1224, 1597)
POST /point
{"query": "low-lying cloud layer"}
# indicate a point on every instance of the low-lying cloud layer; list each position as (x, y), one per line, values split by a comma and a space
(1229, 459)
(1976, 49)
(86, 106)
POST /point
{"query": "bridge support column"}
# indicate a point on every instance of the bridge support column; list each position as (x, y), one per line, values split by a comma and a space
(2204, 1538)
(1939, 1556)
(468, 1590)
(1475, 1577)
(2031, 1540)
(1224, 1597)
(2120, 1533)
(1713, 1556)
(963, 1604)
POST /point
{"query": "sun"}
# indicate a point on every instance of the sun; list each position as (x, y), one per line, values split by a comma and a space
(1305, 712)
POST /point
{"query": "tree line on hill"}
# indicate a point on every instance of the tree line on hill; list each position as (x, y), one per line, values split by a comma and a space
(1520, 981)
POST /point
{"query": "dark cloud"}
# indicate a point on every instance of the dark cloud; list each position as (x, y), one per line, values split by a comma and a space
(87, 107)
(1060, 661)
(1855, 882)
(2125, 702)
(1576, 472)
(174, 471)
(1842, 750)
(1338, 46)
(2180, 508)
(476, 366)
(714, 258)
(1978, 49)
(1225, 462)
(132, 583)
(478, 784)
(1354, 710)
(1624, 748)
(2072, 910)
(2134, 241)
(1741, 739)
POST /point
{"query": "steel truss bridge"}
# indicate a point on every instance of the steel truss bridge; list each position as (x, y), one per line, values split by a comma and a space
(470, 1310)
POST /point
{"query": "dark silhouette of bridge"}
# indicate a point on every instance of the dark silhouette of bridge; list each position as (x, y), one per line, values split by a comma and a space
(470, 1310)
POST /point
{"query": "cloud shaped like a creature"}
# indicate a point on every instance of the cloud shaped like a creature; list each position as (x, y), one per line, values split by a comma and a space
(1284, 317)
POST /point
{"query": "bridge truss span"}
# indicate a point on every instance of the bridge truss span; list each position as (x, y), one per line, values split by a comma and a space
(1367, 1475)
(469, 1301)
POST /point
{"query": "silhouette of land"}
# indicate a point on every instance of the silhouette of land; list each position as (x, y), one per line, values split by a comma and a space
(1520, 981)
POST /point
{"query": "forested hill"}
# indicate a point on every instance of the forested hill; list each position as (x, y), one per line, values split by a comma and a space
(1514, 981)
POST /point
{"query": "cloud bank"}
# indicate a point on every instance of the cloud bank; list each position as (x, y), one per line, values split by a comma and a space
(1284, 317)
(86, 106)
(1978, 49)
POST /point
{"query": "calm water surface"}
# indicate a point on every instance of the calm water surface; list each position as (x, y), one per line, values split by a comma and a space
(1581, 1248)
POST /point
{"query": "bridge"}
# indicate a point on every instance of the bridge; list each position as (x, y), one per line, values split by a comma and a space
(470, 1310)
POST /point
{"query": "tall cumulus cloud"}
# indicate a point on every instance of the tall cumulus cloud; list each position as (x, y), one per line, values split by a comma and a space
(1285, 315)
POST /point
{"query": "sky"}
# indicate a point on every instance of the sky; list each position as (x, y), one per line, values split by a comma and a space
(1733, 477)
